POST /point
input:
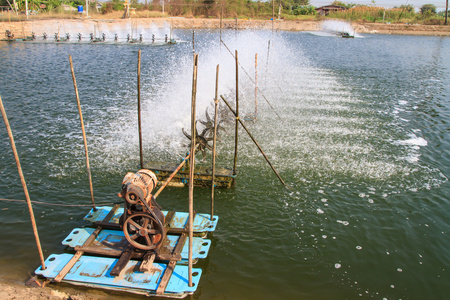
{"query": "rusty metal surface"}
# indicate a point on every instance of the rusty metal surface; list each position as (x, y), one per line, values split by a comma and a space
(224, 178)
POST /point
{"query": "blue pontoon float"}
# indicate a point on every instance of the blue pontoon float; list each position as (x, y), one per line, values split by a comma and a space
(136, 248)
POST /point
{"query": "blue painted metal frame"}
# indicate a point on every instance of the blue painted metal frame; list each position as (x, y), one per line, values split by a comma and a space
(202, 222)
(108, 237)
(95, 271)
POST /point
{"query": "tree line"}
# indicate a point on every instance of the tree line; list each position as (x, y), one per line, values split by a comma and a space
(284, 9)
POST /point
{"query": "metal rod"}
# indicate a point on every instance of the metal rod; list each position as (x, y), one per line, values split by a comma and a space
(191, 167)
(254, 141)
(171, 176)
(141, 156)
(216, 104)
(24, 185)
(84, 133)
(236, 131)
(256, 85)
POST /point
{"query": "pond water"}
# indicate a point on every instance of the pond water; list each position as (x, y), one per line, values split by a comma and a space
(358, 128)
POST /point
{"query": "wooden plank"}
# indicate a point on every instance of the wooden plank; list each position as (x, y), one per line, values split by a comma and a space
(77, 256)
(111, 213)
(168, 218)
(147, 263)
(123, 261)
(106, 221)
(68, 266)
(171, 266)
(117, 253)
(166, 277)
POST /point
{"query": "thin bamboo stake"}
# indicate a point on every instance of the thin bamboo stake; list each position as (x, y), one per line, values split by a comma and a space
(139, 108)
(24, 185)
(216, 104)
(193, 41)
(256, 85)
(236, 131)
(273, 13)
(84, 133)
(254, 141)
(191, 168)
(220, 31)
(446, 12)
(250, 78)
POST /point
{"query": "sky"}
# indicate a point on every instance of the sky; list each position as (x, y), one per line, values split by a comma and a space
(440, 4)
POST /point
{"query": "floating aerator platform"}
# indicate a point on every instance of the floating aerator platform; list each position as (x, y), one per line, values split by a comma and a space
(136, 248)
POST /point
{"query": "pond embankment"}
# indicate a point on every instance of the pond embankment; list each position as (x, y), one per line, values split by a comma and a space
(53, 25)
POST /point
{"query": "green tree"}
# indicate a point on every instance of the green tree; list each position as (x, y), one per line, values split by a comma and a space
(304, 10)
(301, 2)
(407, 8)
(428, 9)
(340, 3)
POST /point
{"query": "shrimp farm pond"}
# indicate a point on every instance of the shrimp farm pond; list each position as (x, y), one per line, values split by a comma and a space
(359, 129)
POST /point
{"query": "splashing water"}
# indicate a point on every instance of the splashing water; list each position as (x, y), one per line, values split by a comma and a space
(336, 29)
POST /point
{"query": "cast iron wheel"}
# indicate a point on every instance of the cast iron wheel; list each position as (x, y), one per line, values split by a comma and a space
(143, 231)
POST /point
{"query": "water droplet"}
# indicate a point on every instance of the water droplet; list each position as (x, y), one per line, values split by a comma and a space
(358, 247)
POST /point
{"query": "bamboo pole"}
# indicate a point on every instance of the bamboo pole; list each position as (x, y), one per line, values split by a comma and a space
(220, 30)
(254, 141)
(251, 79)
(193, 41)
(84, 133)
(273, 13)
(139, 109)
(24, 185)
(446, 12)
(191, 168)
(256, 85)
(216, 103)
(236, 131)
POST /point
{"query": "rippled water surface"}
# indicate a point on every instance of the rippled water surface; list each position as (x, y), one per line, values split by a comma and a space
(358, 128)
